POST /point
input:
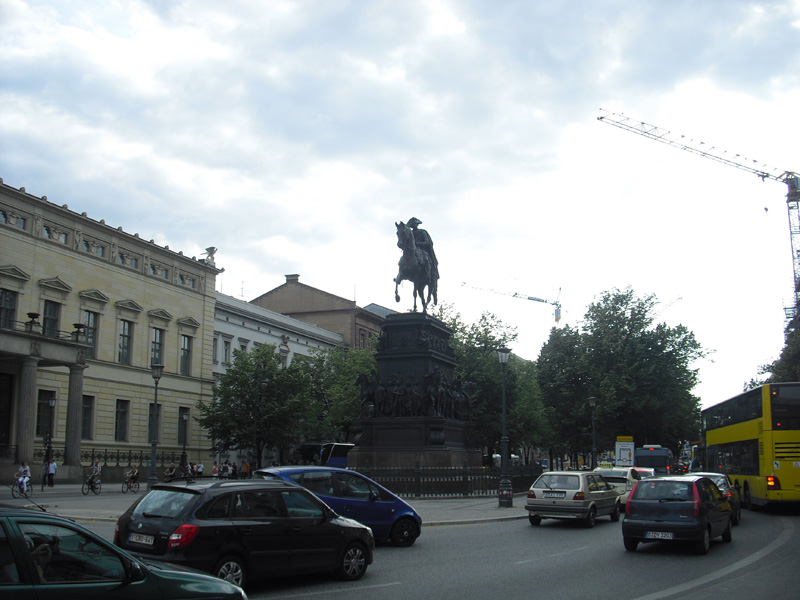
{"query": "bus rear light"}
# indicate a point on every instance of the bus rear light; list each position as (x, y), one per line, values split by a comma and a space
(773, 483)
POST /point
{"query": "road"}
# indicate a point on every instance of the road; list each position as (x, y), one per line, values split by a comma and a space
(512, 560)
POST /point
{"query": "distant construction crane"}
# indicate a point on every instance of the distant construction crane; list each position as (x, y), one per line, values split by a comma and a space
(555, 303)
(681, 142)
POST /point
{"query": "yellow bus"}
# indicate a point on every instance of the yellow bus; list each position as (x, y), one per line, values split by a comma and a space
(755, 438)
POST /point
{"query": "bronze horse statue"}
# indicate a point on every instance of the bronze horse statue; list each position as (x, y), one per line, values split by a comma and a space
(415, 266)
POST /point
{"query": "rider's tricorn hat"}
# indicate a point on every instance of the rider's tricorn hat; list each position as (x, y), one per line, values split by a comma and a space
(414, 221)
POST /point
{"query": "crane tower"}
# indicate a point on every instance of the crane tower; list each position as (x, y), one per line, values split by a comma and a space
(738, 161)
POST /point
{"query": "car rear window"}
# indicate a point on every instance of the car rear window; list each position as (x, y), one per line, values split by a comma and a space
(561, 482)
(164, 503)
(658, 489)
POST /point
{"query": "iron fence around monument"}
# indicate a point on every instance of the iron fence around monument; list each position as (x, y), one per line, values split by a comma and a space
(431, 482)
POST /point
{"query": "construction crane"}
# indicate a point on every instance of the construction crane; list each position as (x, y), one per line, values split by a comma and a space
(681, 142)
(555, 303)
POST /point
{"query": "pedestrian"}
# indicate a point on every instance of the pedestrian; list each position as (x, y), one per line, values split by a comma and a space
(215, 470)
(234, 474)
(245, 470)
(199, 469)
(51, 472)
(225, 470)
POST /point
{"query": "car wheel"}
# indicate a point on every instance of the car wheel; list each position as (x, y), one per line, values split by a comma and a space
(535, 520)
(230, 568)
(590, 518)
(704, 543)
(353, 563)
(630, 544)
(404, 533)
(615, 513)
(727, 535)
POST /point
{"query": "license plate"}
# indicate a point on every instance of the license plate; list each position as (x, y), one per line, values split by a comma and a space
(659, 535)
(554, 494)
(141, 539)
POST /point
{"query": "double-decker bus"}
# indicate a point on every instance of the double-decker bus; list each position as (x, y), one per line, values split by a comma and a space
(755, 438)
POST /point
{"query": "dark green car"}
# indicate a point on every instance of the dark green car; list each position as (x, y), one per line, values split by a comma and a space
(46, 557)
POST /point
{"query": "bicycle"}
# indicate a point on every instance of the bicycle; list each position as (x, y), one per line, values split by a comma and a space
(91, 484)
(16, 489)
(130, 485)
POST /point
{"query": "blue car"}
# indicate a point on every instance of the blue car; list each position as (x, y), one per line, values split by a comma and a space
(352, 495)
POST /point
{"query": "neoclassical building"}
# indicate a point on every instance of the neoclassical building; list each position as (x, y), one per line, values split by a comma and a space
(85, 310)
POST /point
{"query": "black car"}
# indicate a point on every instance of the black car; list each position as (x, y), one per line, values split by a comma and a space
(730, 491)
(46, 556)
(676, 508)
(245, 530)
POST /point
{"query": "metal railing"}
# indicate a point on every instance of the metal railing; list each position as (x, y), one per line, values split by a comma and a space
(422, 482)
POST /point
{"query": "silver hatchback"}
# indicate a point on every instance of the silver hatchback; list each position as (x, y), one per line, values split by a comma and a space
(572, 495)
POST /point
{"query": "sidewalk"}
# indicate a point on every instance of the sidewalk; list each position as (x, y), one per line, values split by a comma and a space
(110, 503)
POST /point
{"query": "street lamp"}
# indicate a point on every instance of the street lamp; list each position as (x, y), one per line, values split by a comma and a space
(593, 404)
(185, 425)
(158, 371)
(506, 492)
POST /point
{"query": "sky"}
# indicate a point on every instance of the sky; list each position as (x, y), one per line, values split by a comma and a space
(292, 135)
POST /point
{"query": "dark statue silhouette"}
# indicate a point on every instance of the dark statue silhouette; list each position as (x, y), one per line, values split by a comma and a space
(418, 264)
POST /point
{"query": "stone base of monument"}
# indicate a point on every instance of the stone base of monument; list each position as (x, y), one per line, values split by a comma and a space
(411, 441)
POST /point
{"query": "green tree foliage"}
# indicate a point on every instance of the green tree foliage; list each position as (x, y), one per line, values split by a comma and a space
(332, 396)
(787, 366)
(640, 372)
(257, 403)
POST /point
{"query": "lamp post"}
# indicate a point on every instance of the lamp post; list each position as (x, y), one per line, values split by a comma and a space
(506, 492)
(157, 371)
(185, 425)
(593, 404)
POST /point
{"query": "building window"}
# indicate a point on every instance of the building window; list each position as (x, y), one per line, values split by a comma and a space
(214, 351)
(226, 352)
(121, 421)
(362, 340)
(183, 426)
(44, 414)
(157, 347)
(186, 355)
(87, 413)
(152, 422)
(50, 320)
(90, 332)
(12, 219)
(125, 342)
(8, 308)
(159, 271)
(54, 233)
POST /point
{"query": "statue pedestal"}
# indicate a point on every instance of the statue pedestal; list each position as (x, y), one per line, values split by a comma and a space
(418, 412)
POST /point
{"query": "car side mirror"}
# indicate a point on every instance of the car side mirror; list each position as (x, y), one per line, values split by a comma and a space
(133, 571)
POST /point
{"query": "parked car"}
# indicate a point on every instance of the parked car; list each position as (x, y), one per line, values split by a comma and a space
(46, 556)
(244, 530)
(572, 495)
(622, 478)
(355, 496)
(729, 490)
(677, 508)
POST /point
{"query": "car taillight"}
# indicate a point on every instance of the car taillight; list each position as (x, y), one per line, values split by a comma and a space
(531, 494)
(183, 536)
(695, 500)
(773, 483)
(579, 496)
(628, 501)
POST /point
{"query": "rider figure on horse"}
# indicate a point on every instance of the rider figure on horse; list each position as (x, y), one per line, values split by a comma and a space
(424, 242)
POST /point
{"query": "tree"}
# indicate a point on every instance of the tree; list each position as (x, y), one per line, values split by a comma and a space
(331, 396)
(641, 373)
(257, 403)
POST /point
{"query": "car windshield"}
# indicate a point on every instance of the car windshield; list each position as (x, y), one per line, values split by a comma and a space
(662, 489)
(164, 503)
(560, 482)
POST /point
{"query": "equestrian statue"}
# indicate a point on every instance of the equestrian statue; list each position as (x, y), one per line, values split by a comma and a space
(418, 264)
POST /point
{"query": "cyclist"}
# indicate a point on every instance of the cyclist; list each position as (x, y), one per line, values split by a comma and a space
(170, 474)
(23, 477)
(94, 477)
(132, 476)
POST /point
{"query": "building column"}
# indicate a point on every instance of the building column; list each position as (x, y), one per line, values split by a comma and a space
(26, 409)
(72, 438)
